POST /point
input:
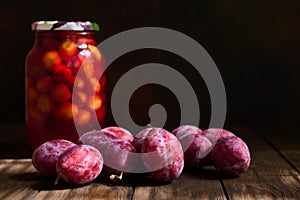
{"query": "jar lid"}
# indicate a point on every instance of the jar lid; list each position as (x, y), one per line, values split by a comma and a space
(64, 26)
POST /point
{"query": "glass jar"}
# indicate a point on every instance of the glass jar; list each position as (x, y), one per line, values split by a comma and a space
(62, 53)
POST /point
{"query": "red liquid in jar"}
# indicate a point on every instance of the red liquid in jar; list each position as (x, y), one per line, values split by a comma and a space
(51, 68)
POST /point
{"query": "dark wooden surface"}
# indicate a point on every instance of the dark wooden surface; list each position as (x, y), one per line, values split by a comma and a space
(274, 173)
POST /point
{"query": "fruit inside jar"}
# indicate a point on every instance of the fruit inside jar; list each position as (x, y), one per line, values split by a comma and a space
(62, 81)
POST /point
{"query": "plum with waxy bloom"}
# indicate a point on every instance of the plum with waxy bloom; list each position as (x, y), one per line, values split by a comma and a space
(162, 155)
(44, 158)
(231, 155)
(213, 134)
(80, 164)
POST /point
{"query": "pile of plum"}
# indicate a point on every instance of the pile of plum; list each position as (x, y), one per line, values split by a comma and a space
(113, 152)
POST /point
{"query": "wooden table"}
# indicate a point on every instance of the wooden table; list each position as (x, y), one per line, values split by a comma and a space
(274, 173)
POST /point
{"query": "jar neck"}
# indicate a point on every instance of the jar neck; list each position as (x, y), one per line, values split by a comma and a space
(41, 36)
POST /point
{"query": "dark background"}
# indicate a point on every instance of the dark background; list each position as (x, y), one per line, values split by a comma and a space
(256, 46)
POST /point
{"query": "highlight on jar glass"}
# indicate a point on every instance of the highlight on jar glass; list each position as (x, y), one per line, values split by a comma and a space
(59, 51)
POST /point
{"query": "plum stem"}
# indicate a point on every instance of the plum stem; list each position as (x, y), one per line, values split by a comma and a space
(150, 126)
(58, 177)
(115, 177)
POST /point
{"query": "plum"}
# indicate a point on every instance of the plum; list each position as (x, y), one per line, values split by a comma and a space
(213, 134)
(60, 93)
(186, 130)
(80, 164)
(198, 149)
(66, 112)
(231, 155)
(44, 157)
(44, 84)
(139, 139)
(117, 153)
(51, 60)
(67, 49)
(119, 157)
(62, 74)
(162, 155)
(118, 133)
(94, 102)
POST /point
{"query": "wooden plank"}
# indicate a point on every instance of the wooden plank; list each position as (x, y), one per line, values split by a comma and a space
(269, 175)
(95, 190)
(101, 191)
(17, 178)
(100, 188)
(285, 140)
(192, 184)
